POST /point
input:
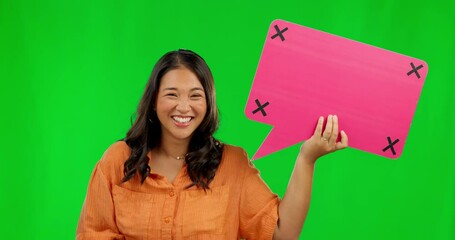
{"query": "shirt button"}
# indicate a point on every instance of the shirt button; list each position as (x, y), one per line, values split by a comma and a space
(171, 193)
(167, 220)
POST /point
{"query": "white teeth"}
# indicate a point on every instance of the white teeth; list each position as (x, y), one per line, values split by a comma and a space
(182, 120)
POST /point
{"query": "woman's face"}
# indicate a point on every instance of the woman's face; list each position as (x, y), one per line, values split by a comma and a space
(181, 104)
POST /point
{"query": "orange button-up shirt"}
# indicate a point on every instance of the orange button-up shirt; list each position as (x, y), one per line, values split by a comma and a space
(238, 204)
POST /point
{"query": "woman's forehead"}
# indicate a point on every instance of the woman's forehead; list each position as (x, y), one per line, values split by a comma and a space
(180, 78)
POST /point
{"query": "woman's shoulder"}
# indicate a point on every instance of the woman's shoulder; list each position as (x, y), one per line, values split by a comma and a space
(118, 148)
(114, 157)
(229, 149)
(235, 162)
(235, 155)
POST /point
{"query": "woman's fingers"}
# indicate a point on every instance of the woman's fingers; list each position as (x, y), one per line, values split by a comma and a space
(328, 129)
(318, 130)
(334, 136)
(344, 141)
(330, 133)
(324, 140)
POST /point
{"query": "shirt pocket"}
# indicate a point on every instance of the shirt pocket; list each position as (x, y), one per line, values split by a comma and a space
(136, 212)
(205, 212)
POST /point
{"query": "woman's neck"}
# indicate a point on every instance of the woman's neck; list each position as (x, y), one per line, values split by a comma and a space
(174, 148)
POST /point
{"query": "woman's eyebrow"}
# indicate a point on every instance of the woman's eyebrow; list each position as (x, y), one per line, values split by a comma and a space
(175, 89)
(170, 89)
(197, 88)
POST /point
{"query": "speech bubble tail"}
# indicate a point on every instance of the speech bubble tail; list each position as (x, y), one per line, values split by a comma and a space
(275, 141)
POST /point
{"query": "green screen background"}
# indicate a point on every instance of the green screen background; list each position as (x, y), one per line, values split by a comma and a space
(72, 73)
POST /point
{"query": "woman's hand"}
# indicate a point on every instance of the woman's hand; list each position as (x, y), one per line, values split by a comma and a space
(323, 142)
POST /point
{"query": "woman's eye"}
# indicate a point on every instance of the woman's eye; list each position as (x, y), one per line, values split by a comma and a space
(197, 96)
(171, 94)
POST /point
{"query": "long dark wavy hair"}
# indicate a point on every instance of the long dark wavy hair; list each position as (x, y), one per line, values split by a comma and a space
(204, 151)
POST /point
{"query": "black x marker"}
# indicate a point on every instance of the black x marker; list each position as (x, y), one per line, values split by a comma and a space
(261, 107)
(414, 69)
(391, 145)
(279, 32)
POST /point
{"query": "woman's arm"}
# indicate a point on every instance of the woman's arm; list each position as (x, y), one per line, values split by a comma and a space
(294, 206)
(97, 219)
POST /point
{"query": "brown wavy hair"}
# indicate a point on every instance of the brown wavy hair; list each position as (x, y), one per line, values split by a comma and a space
(204, 151)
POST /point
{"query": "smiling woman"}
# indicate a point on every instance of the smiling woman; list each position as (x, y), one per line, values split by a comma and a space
(177, 117)
(180, 104)
(171, 179)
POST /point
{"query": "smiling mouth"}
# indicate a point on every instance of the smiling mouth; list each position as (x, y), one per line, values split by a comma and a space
(182, 120)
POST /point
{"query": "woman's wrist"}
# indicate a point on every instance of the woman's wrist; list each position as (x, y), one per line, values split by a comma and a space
(306, 160)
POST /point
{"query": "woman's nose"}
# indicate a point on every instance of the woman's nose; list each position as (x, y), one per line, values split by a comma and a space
(183, 106)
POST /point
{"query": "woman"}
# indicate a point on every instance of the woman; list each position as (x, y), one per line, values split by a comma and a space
(171, 179)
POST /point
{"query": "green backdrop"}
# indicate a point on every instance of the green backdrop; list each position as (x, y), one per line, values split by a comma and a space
(72, 73)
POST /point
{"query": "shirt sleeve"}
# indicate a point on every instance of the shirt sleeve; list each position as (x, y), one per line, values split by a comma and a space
(258, 207)
(97, 220)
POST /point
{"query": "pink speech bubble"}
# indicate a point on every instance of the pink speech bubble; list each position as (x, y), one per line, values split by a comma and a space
(305, 73)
